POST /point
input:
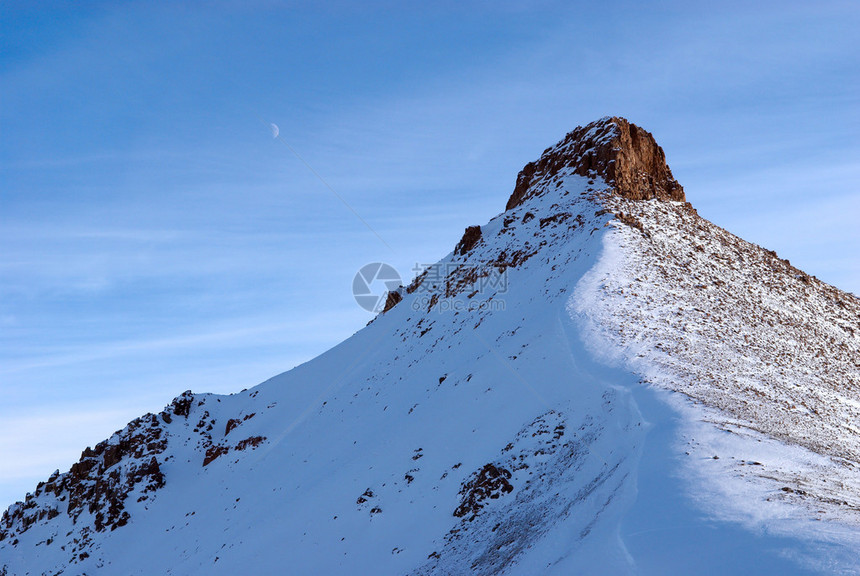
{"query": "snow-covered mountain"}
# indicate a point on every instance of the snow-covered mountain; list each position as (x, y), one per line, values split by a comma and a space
(597, 381)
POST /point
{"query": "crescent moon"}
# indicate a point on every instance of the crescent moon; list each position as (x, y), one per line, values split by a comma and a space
(275, 130)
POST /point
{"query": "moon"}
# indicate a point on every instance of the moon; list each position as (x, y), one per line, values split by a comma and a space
(275, 130)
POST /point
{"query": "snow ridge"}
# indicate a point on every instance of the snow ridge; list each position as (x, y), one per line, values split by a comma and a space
(729, 324)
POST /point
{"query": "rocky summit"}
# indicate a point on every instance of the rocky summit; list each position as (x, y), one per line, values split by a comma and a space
(612, 149)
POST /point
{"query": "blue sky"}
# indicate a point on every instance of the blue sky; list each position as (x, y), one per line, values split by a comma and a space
(155, 238)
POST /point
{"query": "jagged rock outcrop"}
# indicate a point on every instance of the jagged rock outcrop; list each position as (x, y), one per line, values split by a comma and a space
(623, 154)
(96, 484)
(97, 492)
(488, 482)
(103, 479)
(470, 237)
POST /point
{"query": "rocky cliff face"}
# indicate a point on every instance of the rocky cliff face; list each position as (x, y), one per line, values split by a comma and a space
(611, 149)
(99, 486)
(100, 492)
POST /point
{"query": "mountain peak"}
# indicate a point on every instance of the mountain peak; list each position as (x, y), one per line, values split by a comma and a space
(593, 359)
(626, 156)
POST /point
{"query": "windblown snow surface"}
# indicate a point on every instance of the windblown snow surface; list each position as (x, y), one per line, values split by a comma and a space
(645, 394)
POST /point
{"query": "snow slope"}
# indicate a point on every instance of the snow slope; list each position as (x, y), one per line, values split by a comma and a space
(547, 399)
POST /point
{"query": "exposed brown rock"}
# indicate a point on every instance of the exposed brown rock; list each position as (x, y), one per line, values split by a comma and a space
(632, 221)
(79, 470)
(182, 403)
(231, 423)
(416, 282)
(470, 237)
(623, 154)
(554, 219)
(490, 482)
(393, 298)
(251, 442)
(112, 455)
(213, 452)
(95, 485)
